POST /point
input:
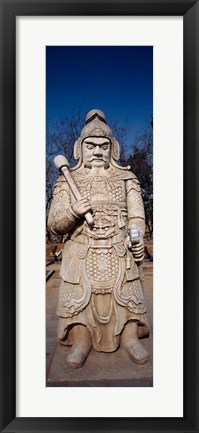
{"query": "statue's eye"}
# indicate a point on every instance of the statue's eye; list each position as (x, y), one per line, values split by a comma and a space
(105, 147)
(89, 146)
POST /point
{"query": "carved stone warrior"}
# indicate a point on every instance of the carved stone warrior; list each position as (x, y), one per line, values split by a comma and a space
(101, 300)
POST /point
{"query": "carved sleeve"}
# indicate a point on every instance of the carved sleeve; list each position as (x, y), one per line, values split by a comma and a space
(135, 205)
(61, 217)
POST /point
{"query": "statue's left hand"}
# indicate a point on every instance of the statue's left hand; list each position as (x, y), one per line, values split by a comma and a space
(138, 250)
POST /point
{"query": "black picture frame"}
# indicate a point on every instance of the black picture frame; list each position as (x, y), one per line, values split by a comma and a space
(9, 11)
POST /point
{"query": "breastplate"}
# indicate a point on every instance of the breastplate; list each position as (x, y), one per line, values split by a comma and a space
(101, 188)
(108, 201)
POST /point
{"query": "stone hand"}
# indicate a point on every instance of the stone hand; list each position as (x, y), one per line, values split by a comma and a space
(137, 244)
(138, 250)
(81, 207)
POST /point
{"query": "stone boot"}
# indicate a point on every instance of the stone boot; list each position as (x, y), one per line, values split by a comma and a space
(81, 346)
(131, 344)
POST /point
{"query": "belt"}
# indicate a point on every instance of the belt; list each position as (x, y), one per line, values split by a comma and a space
(82, 239)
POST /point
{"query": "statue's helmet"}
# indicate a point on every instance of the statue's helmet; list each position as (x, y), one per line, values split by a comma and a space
(96, 126)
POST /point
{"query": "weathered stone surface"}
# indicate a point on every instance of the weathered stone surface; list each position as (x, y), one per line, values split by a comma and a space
(59, 374)
(101, 369)
(98, 205)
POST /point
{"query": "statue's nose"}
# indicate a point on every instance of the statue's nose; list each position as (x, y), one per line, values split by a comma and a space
(97, 151)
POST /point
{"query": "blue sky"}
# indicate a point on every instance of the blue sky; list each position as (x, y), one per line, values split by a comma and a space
(117, 80)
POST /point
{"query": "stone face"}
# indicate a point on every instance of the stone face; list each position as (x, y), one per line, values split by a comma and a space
(101, 299)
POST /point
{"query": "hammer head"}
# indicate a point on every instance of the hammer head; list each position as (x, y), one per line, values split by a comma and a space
(60, 161)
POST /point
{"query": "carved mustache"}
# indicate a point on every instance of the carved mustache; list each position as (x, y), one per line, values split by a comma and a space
(96, 158)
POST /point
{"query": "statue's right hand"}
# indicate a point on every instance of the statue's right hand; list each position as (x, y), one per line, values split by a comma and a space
(81, 207)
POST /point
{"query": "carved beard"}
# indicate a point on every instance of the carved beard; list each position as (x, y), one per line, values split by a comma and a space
(97, 171)
(95, 168)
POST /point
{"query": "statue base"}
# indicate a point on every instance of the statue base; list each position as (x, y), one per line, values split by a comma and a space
(101, 369)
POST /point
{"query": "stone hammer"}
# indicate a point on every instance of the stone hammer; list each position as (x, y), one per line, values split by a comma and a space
(61, 163)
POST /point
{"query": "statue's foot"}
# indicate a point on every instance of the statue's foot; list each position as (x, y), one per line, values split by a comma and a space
(130, 342)
(81, 346)
(77, 356)
(136, 351)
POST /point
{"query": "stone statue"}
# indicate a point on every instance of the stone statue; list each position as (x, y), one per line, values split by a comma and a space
(101, 300)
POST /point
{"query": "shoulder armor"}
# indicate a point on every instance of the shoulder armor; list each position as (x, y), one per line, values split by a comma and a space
(123, 174)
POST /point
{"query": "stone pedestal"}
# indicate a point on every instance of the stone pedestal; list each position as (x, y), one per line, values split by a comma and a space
(101, 369)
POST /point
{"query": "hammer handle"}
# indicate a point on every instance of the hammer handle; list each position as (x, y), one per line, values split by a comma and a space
(88, 216)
